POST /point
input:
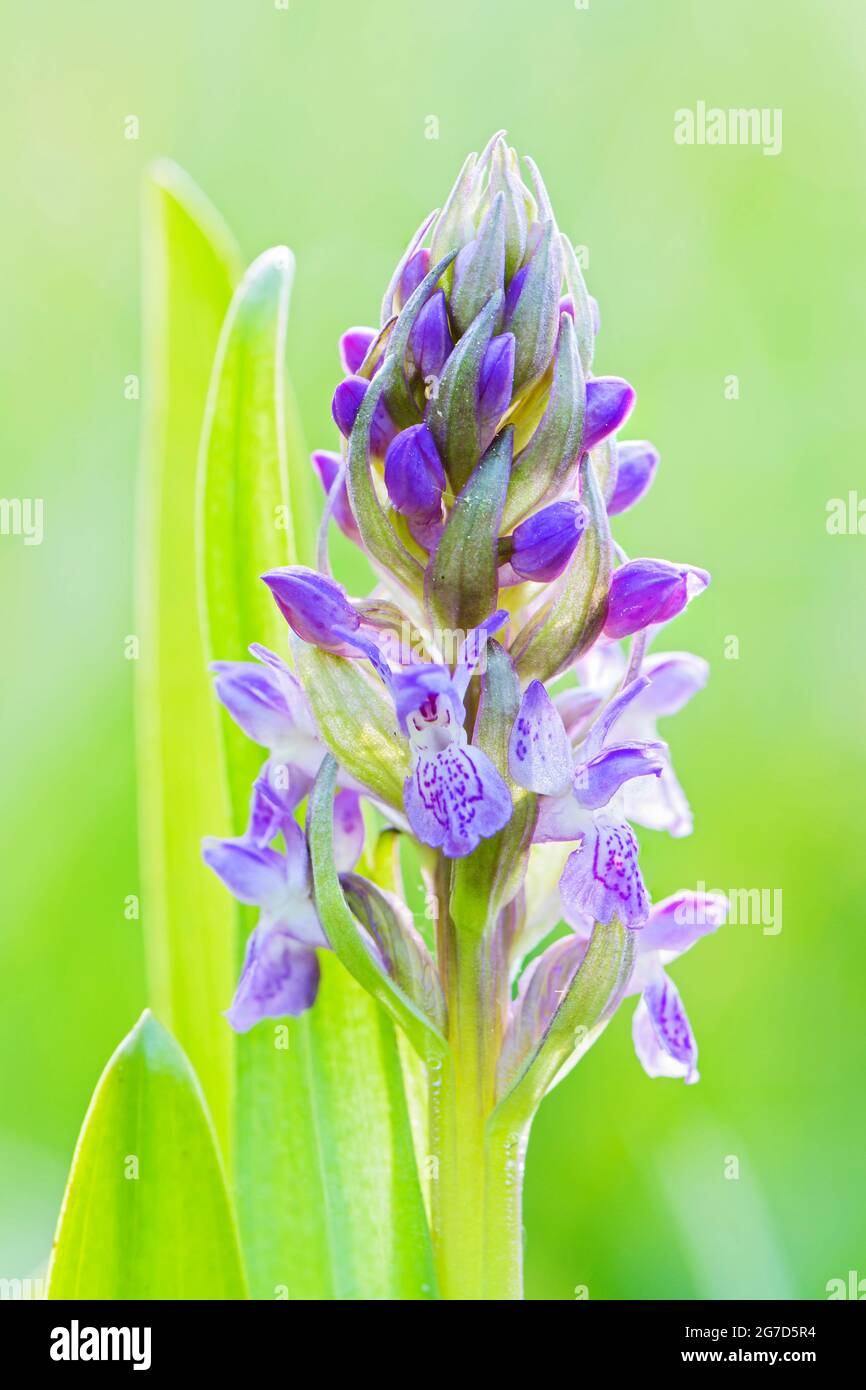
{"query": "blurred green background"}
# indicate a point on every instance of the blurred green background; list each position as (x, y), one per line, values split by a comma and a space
(307, 126)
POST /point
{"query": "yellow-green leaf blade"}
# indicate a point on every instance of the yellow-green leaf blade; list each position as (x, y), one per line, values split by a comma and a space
(146, 1213)
(190, 266)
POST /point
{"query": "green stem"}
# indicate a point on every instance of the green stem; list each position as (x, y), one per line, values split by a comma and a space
(476, 1194)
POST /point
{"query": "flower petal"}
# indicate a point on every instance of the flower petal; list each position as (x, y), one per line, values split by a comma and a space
(348, 830)
(677, 922)
(603, 878)
(328, 465)
(596, 781)
(674, 677)
(663, 1039)
(255, 697)
(545, 542)
(454, 798)
(252, 874)
(315, 607)
(636, 463)
(539, 753)
(661, 804)
(279, 978)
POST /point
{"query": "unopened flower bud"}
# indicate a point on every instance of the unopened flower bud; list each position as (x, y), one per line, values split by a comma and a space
(414, 475)
(643, 592)
(413, 273)
(494, 385)
(609, 402)
(345, 406)
(315, 607)
(354, 346)
(543, 544)
(636, 465)
(430, 340)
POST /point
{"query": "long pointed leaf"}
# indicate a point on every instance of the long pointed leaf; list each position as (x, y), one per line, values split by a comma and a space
(146, 1212)
(328, 1198)
(190, 265)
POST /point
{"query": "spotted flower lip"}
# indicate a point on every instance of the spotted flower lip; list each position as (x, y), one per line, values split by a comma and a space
(577, 802)
(646, 592)
(454, 796)
(663, 1037)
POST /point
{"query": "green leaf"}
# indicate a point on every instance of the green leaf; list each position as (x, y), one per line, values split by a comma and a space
(576, 287)
(146, 1212)
(323, 1145)
(357, 720)
(461, 580)
(585, 1008)
(190, 265)
(249, 521)
(343, 929)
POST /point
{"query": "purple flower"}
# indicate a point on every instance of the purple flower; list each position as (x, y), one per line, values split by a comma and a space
(454, 796)
(636, 465)
(430, 341)
(414, 475)
(644, 592)
(609, 402)
(577, 802)
(354, 346)
(270, 706)
(673, 678)
(280, 974)
(279, 979)
(328, 465)
(663, 1038)
(543, 544)
(494, 385)
(345, 405)
(315, 607)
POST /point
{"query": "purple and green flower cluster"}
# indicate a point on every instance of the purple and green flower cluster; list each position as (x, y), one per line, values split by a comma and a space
(494, 698)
